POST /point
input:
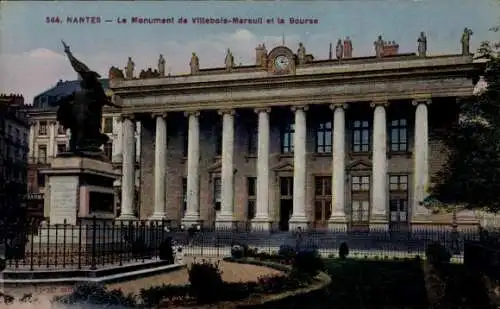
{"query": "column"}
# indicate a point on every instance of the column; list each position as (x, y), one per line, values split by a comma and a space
(128, 168)
(262, 220)
(299, 218)
(421, 158)
(225, 216)
(338, 219)
(379, 204)
(52, 139)
(160, 170)
(192, 214)
(117, 140)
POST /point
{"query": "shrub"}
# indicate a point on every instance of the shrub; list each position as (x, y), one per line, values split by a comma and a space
(343, 251)
(252, 252)
(277, 284)
(166, 252)
(437, 254)
(96, 294)
(287, 252)
(237, 251)
(153, 296)
(307, 263)
(206, 281)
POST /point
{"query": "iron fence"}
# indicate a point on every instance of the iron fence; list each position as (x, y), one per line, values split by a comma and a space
(95, 243)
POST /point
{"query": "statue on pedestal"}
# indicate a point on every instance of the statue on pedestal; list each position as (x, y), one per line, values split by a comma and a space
(339, 50)
(301, 53)
(422, 45)
(161, 65)
(347, 48)
(129, 69)
(379, 47)
(194, 64)
(229, 61)
(466, 41)
(81, 111)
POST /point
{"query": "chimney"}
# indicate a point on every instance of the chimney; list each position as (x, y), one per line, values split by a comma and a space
(259, 51)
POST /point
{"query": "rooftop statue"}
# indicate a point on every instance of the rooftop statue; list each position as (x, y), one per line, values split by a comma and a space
(229, 61)
(422, 45)
(81, 111)
(161, 65)
(301, 53)
(194, 64)
(129, 68)
(339, 50)
(347, 48)
(466, 41)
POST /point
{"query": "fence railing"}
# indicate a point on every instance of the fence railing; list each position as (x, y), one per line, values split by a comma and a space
(94, 243)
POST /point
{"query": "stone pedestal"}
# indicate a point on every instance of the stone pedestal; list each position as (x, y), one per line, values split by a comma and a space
(79, 187)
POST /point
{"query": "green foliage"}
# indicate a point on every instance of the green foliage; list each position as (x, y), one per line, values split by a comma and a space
(437, 254)
(206, 281)
(307, 264)
(471, 176)
(153, 296)
(287, 252)
(97, 294)
(343, 250)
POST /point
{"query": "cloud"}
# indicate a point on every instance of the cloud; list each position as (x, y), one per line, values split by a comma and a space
(35, 71)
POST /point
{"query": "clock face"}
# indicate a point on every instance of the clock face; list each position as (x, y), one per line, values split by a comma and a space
(281, 63)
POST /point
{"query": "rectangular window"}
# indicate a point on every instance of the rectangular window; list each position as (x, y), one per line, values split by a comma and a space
(251, 196)
(184, 194)
(61, 148)
(287, 133)
(398, 183)
(286, 186)
(398, 200)
(360, 211)
(108, 125)
(42, 153)
(360, 183)
(398, 135)
(323, 199)
(60, 130)
(217, 193)
(252, 140)
(360, 136)
(42, 128)
(324, 137)
(41, 179)
(108, 150)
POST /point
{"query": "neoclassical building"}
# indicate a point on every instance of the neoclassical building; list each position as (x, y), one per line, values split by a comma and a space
(293, 141)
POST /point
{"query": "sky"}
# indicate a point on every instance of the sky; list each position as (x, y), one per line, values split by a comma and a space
(32, 58)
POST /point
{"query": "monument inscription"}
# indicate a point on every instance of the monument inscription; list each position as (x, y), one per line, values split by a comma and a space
(63, 199)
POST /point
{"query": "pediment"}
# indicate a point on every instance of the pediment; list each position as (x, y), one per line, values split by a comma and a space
(215, 167)
(283, 166)
(359, 165)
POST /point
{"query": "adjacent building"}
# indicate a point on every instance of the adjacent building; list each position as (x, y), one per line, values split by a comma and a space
(47, 139)
(13, 155)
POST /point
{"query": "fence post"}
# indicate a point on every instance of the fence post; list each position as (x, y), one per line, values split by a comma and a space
(33, 227)
(94, 240)
(80, 245)
(64, 243)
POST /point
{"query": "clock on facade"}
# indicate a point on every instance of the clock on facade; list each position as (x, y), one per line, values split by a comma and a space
(281, 63)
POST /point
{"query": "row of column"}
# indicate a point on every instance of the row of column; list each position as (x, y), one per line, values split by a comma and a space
(379, 192)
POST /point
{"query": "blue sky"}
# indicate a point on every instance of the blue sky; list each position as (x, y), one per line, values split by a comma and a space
(32, 58)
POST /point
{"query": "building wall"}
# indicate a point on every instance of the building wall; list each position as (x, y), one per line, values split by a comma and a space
(281, 164)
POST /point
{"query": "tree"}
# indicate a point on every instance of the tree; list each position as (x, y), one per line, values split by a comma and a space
(471, 176)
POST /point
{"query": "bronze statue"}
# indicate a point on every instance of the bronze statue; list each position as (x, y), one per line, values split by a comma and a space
(81, 111)
(422, 45)
(466, 41)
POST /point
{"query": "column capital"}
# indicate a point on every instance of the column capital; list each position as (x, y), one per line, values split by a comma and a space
(52, 122)
(334, 106)
(159, 114)
(416, 102)
(192, 113)
(299, 107)
(127, 116)
(375, 103)
(229, 111)
(262, 110)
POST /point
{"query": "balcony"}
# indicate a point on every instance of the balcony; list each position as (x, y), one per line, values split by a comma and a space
(34, 196)
(40, 160)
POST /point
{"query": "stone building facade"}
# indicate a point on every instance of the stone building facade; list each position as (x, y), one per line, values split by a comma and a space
(13, 154)
(340, 144)
(47, 139)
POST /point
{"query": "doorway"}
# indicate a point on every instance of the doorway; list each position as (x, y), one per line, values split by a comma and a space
(286, 202)
(398, 215)
(286, 209)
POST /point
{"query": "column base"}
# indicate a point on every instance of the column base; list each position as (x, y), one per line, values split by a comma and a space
(126, 217)
(379, 226)
(299, 221)
(224, 221)
(191, 219)
(261, 224)
(158, 216)
(337, 223)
